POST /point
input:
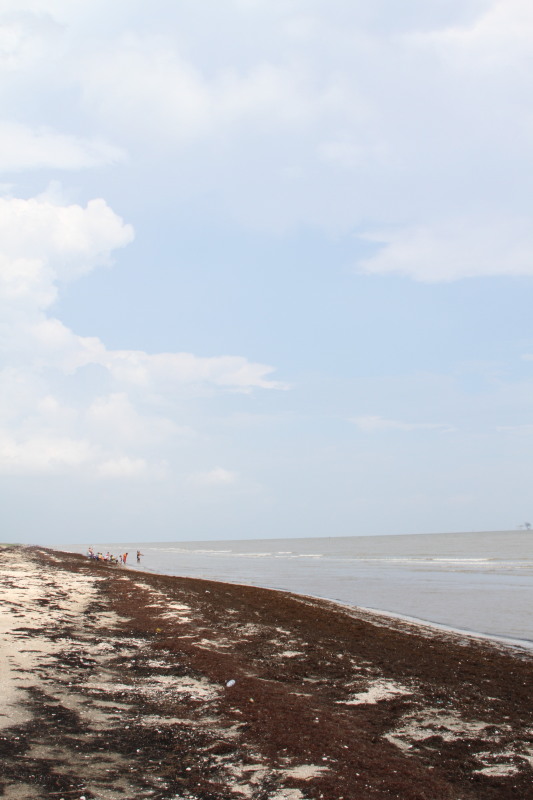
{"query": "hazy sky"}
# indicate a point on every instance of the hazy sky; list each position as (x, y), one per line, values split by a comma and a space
(265, 267)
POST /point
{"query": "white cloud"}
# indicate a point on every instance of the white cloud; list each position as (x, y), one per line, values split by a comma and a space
(27, 39)
(117, 433)
(526, 429)
(114, 418)
(376, 424)
(52, 453)
(452, 250)
(166, 369)
(42, 242)
(123, 467)
(23, 147)
(145, 84)
(214, 477)
(353, 115)
(350, 154)
(41, 434)
(45, 453)
(379, 121)
(500, 36)
(409, 123)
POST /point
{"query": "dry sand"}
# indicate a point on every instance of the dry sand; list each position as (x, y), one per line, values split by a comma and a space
(115, 687)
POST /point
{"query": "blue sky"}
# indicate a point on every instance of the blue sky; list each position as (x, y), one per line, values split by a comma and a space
(266, 268)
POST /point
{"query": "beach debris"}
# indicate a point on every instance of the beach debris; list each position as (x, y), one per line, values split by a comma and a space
(304, 772)
(230, 683)
(376, 691)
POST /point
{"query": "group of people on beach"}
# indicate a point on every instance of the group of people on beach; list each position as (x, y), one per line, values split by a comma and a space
(111, 559)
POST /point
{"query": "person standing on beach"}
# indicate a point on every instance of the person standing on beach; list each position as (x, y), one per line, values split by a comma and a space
(124, 557)
(139, 554)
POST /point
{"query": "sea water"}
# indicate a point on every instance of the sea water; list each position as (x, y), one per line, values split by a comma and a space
(476, 582)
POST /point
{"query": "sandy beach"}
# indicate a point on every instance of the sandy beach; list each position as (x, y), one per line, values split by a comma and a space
(121, 685)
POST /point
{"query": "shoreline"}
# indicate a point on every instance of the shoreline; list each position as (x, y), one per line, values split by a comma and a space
(123, 684)
(507, 641)
(479, 585)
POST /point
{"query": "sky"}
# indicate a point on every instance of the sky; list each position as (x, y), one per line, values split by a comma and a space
(265, 268)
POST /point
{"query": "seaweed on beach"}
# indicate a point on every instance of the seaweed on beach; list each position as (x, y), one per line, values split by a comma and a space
(135, 686)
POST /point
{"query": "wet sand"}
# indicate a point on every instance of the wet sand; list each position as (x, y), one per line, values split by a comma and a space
(125, 685)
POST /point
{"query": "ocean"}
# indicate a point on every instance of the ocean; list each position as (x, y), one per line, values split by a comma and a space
(475, 582)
